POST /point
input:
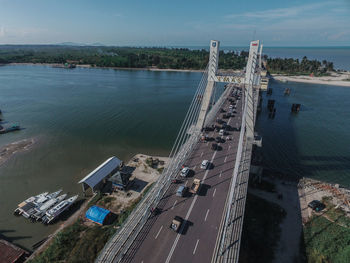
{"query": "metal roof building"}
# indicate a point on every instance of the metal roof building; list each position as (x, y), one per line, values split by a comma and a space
(95, 179)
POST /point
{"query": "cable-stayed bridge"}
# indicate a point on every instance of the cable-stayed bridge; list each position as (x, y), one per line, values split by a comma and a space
(213, 218)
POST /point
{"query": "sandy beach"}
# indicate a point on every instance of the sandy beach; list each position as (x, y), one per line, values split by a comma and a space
(336, 78)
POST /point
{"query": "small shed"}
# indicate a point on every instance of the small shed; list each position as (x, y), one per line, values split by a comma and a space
(96, 178)
(98, 215)
(121, 179)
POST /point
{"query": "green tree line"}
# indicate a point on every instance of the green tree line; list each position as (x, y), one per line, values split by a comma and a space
(130, 57)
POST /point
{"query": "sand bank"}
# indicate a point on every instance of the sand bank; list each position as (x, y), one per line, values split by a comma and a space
(337, 79)
(7, 151)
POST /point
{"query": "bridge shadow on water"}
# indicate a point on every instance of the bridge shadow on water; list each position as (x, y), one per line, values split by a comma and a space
(280, 158)
(289, 140)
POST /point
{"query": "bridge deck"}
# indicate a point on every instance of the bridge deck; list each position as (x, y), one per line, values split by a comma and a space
(203, 212)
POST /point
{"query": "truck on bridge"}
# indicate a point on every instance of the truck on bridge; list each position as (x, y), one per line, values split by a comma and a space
(195, 186)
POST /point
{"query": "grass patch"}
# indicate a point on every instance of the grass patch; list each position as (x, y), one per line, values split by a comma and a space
(261, 230)
(160, 170)
(326, 241)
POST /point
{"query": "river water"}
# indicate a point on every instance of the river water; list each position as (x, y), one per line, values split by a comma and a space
(81, 117)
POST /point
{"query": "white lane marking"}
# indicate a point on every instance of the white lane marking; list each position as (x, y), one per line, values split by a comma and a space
(194, 167)
(174, 205)
(194, 250)
(206, 215)
(201, 154)
(186, 183)
(220, 174)
(159, 232)
(229, 147)
(214, 192)
(225, 159)
(187, 216)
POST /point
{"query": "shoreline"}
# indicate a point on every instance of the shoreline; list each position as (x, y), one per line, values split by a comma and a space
(336, 79)
(87, 66)
(122, 200)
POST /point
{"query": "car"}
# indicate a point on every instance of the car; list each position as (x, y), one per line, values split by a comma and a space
(181, 191)
(214, 146)
(185, 171)
(218, 139)
(205, 164)
(316, 205)
(220, 121)
(221, 132)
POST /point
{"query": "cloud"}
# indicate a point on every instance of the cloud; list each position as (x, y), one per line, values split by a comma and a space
(279, 12)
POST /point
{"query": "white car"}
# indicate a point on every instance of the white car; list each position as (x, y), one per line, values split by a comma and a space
(221, 132)
(205, 164)
(185, 171)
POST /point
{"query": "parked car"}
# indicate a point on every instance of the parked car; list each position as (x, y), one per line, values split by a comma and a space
(316, 205)
(214, 146)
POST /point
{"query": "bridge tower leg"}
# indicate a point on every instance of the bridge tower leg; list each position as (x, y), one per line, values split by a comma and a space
(249, 82)
(212, 70)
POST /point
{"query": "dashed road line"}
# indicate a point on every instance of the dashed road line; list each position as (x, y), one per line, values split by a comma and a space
(174, 205)
(159, 232)
(206, 215)
(214, 192)
(195, 248)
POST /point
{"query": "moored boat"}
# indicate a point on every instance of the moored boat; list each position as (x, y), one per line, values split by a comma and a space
(54, 212)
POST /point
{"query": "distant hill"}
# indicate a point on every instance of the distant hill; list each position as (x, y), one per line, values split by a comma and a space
(79, 44)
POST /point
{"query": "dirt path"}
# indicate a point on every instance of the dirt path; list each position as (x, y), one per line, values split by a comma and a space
(291, 227)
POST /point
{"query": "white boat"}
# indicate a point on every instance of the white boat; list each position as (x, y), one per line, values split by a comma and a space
(39, 202)
(40, 211)
(54, 212)
(27, 204)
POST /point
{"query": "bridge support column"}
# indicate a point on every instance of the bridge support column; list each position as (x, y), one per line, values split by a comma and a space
(212, 70)
(249, 81)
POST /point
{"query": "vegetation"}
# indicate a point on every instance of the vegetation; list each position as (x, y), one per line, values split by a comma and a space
(261, 230)
(327, 236)
(161, 58)
(296, 67)
(326, 241)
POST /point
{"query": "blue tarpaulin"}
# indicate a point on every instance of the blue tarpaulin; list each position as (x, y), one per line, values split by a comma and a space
(97, 214)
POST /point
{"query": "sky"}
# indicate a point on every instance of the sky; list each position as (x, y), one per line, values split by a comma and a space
(176, 22)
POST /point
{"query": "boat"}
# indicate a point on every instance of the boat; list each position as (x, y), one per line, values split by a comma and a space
(54, 212)
(10, 129)
(25, 204)
(39, 202)
(40, 211)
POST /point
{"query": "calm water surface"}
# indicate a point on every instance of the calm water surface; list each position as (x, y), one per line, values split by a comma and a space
(81, 117)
